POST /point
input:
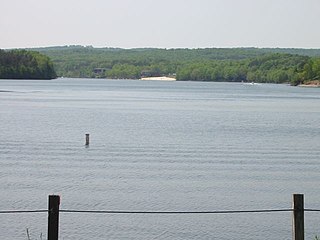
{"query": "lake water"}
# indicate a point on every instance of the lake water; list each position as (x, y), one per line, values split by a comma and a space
(158, 146)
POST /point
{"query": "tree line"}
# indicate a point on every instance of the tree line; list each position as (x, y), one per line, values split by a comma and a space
(268, 68)
(209, 64)
(22, 64)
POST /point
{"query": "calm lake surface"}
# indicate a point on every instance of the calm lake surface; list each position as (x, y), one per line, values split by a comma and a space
(158, 146)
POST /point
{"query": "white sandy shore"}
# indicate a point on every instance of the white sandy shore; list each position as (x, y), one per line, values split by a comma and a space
(309, 85)
(159, 78)
(313, 83)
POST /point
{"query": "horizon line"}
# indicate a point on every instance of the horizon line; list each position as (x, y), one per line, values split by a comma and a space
(153, 47)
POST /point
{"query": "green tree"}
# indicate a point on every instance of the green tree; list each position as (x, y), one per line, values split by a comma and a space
(22, 64)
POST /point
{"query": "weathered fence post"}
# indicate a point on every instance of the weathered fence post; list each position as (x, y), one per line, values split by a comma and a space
(298, 217)
(87, 139)
(53, 217)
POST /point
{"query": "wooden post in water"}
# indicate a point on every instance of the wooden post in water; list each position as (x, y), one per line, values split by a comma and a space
(87, 139)
(53, 217)
(298, 217)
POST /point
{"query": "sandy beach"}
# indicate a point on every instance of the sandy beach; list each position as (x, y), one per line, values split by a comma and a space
(313, 84)
(158, 79)
(309, 85)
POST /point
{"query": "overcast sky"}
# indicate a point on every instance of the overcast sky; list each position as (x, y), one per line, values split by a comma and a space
(160, 23)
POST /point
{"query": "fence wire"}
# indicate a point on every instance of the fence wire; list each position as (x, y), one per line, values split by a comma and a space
(178, 212)
(22, 211)
(156, 212)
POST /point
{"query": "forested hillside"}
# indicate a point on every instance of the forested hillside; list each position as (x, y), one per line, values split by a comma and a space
(211, 64)
(22, 64)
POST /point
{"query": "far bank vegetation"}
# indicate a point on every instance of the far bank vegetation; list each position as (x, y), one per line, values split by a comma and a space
(294, 66)
(22, 64)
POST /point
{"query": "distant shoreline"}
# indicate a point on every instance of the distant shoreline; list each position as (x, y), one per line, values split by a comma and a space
(158, 79)
(311, 84)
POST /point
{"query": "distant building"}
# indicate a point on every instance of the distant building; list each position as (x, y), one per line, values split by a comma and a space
(145, 73)
(150, 73)
(99, 71)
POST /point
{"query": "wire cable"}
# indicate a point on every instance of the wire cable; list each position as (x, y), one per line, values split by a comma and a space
(177, 212)
(22, 211)
(156, 212)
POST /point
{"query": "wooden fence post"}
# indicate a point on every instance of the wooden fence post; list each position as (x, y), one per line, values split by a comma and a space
(53, 217)
(298, 217)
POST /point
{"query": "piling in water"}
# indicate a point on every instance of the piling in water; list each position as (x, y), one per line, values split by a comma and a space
(87, 139)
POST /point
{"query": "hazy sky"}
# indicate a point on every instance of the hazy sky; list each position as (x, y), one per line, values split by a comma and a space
(160, 23)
